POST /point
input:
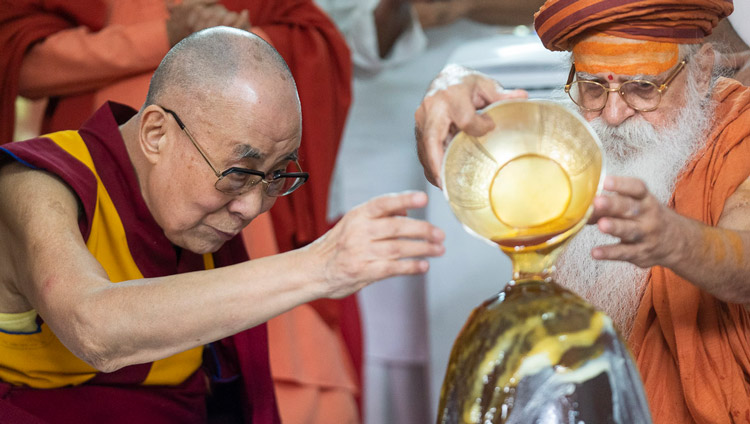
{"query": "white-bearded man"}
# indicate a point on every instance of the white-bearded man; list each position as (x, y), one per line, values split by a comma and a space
(634, 148)
(671, 240)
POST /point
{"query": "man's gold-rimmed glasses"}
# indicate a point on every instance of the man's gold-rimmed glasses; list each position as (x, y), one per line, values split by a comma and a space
(640, 95)
(236, 181)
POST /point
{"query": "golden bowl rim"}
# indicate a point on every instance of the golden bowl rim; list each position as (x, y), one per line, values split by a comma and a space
(545, 102)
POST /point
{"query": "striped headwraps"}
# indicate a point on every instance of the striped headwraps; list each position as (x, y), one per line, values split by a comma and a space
(598, 52)
(561, 23)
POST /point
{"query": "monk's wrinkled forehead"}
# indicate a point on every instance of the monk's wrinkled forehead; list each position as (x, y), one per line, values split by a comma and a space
(602, 53)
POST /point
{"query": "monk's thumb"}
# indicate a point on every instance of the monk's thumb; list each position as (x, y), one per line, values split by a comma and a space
(479, 125)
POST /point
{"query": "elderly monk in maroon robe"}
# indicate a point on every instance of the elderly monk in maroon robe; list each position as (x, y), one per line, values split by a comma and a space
(106, 50)
(669, 256)
(120, 255)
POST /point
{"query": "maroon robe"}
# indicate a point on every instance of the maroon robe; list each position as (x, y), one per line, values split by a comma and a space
(118, 397)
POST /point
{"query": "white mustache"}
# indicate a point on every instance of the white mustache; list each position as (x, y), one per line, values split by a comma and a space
(658, 156)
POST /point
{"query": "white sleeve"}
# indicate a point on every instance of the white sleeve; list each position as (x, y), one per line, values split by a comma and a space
(356, 21)
(740, 20)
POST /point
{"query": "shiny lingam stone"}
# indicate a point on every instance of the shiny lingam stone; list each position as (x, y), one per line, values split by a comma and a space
(535, 352)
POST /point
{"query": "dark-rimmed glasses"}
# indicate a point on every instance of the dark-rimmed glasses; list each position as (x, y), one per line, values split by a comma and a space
(235, 181)
(641, 95)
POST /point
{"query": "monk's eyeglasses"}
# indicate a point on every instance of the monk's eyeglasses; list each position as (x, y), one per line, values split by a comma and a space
(235, 181)
(640, 95)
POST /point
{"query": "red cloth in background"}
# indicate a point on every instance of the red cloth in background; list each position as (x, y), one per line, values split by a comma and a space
(324, 87)
(320, 63)
(24, 22)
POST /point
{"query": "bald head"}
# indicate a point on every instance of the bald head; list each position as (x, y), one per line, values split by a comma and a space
(221, 100)
(208, 61)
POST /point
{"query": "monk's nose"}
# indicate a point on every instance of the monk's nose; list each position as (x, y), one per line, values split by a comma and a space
(616, 110)
(249, 204)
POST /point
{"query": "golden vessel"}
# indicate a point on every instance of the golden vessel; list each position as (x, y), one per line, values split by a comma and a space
(535, 352)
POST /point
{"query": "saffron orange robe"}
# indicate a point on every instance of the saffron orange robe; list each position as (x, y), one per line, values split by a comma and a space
(315, 348)
(314, 375)
(693, 350)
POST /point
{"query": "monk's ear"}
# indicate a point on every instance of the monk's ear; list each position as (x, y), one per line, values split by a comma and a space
(705, 62)
(152, 132)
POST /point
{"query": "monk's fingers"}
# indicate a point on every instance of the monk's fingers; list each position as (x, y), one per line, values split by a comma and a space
(457, 106)
(470, 121)
(618, 206)
(373, 241)
(613, 252)
(629, 232)
(487, 91)
(358, 250)
(623, 252)
(464, 99)
(391, 204)
(626, 186)
(403, 267)
(381, 220)
(477, 124)
(349, 276)
(642, 242)
(450, 106)
(484, 91)
(406, 248)
(399, 227)
(432, 128)
(376, 271)
(513, 94)
(440, 116)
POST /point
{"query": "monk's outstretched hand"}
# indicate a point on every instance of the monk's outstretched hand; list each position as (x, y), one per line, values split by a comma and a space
(450, 106)
(645, 227)
(376, 240)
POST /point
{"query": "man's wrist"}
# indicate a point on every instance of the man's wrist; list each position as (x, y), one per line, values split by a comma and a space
(680, 241)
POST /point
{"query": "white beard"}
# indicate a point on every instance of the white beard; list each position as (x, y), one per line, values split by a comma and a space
(656, 156)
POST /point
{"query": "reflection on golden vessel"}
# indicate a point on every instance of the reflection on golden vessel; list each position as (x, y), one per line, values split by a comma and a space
(535, 352)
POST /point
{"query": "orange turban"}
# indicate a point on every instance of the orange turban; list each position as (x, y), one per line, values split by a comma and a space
(559, 23)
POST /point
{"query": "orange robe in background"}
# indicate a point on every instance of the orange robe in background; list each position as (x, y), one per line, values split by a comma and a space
(315, 348)
(314, 376)
(693, 350)
(318, 348)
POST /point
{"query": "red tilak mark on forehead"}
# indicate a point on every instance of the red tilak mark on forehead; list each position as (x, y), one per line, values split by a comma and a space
(610, 77)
